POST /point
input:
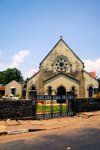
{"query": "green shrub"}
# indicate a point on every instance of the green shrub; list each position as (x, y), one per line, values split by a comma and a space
(0, 96)
(17, 95)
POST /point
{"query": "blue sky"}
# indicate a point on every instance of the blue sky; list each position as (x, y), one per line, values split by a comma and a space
(29, 29)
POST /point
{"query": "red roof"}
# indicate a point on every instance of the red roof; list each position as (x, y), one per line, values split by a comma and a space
(93, 74)
(34, 73)
(2, 88)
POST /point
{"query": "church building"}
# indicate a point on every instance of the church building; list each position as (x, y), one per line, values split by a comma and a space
(61, 72)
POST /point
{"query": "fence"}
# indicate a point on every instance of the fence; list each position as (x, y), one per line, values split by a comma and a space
(54, 106)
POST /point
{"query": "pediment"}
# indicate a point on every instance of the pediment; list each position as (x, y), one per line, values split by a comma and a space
(61, 49)
(61, 40)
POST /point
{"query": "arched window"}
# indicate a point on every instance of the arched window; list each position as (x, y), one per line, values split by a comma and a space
(61, 91)
(73, 88)
(33, 88)
(90, 91)
(32, 92)
(49, 91)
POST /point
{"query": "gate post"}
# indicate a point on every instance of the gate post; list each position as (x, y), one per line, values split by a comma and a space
(34, 107)
(71, 106)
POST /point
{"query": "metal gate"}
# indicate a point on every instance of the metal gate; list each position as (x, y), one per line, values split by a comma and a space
(48, 106)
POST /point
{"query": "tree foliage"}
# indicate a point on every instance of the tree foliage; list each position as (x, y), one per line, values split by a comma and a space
(99, 80)
(11, 74)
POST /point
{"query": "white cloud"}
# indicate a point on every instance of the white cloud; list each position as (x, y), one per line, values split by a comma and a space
(30, 73)
(19, 58)
(2, 67)
(92, 66)
(0, 53)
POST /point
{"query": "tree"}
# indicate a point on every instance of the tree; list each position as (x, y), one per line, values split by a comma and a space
(11, 74)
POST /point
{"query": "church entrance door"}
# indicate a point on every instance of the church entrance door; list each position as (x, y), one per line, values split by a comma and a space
(61, 91)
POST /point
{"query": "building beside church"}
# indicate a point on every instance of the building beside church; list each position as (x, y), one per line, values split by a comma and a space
(14, 88)
(61, 72)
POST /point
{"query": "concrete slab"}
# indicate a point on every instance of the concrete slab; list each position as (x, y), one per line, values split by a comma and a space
(37, 127)
(32, 122)
(2, 123)
(53, 121)
(3, 129)
(17, 129)
(63, 120)
(45, 122)
(49, 127)
(24, 128)
(23, 122)
(12, 122)
(92, 113)
(63, 124)
(74, 119)
(54, 125)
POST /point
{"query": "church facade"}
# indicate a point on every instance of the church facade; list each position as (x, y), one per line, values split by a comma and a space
(61, 72)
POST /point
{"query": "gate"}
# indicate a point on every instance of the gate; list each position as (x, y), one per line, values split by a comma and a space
(48, 106)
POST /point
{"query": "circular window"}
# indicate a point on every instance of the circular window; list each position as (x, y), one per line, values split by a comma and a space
(61, 63)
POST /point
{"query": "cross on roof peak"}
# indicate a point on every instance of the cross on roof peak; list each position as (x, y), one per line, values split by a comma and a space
(61, 36)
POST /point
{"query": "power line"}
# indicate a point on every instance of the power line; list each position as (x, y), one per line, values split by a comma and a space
(20, 63)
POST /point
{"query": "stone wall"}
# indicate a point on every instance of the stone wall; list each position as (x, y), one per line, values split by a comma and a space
(86, 104)
(16, 109)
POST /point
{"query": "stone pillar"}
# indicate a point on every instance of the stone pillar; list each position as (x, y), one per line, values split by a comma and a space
(53, 92)
(40, 88)
(70, 68)
(27, 95)
(81, 85)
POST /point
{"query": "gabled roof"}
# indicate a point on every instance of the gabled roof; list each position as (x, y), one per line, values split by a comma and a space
(32, 76)
(90, 75)
(93, 74)
(63, 74)
(12, 82)
(55, 46)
